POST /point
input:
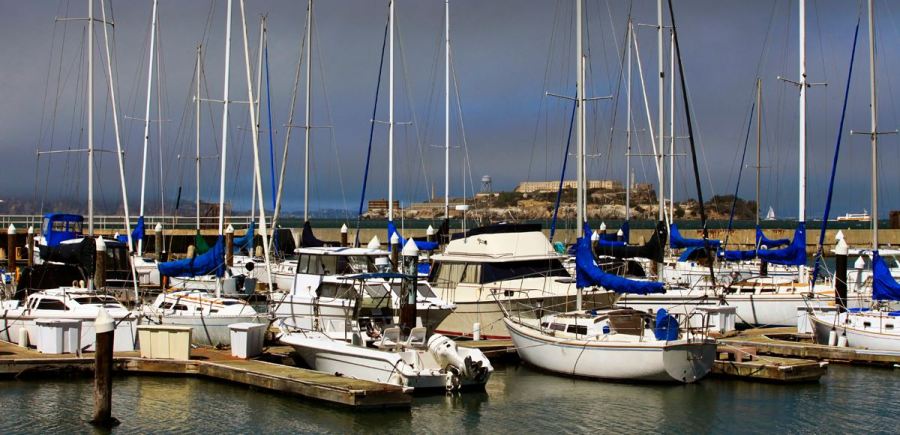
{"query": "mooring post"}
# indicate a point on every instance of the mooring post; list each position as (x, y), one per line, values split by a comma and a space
(840, 275)
(603, 228)
(100, 267)
(395, 252)
(30, 242)
(159, 242)
(229, 246)
(103, 363)
(11, 249)
(409, 286)
(344, 232)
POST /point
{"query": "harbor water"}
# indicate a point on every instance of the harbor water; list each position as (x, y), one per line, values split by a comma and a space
(848, 399)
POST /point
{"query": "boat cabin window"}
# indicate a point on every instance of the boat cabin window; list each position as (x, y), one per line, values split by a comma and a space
(447, 274)
(493, 272)
(378, 291)
(867, 324)
(332, 290)
(577, 329)
(335, 264)
(51, 304)
(426, 291)
(96, 300)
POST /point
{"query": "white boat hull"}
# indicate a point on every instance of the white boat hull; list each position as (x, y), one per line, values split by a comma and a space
(490, 316)
(673, 361)
(856, 338)
(124, 339)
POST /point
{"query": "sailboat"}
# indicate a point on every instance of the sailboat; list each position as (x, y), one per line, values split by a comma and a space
(872, 327)
(770, 215)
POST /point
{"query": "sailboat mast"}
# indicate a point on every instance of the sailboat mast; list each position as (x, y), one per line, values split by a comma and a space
(197, 137)
(672, 127)
(628, 36)
(391, 116)
(801, 217)
(579, 104)
(873, 107)
(90, 110)
(147, 117)
(661, 101)
(446, 109)
(306, 126)
(758, 140)
(224, 154)
(255, 105)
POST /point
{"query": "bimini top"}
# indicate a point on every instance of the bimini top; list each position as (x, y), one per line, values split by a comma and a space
(526, 243)
(59, 227)
(497, 229)
(342, 251)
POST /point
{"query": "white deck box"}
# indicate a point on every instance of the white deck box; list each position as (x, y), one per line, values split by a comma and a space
(247, 339)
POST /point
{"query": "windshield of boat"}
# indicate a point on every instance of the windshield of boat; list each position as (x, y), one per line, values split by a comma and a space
(450, 274)
(335, 264)
(424, 290)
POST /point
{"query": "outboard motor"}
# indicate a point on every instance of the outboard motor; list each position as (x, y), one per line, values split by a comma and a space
(446, 353)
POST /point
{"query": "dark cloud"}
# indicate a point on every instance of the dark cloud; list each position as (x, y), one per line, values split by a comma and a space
(507, 53)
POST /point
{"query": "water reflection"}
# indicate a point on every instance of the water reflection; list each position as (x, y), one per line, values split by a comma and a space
(517, 399)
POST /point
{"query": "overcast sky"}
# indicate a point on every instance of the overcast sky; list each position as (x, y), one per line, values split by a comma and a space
(506, 55)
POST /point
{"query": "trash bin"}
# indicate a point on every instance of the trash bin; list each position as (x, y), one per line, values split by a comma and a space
(57, 336)
(165, 342)
(247, 339)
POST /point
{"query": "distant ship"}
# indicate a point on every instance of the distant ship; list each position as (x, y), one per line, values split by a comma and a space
(855, 217)
(770, 216)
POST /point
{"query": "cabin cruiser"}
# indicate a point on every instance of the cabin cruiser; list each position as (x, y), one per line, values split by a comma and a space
(510, 263)
(67, 303)
(208, 316)
(331, 281)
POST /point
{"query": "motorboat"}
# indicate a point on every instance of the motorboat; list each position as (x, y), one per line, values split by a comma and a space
(507, 263)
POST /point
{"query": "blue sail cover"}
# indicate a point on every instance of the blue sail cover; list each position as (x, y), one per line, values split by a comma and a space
(420, 244)
(676, 241)
(793, 255)
(136, 234)
(884, 287)
(762, 240)
(587, 274)
(737, 255)
(210, 263)
(245, 241)
(666, 326)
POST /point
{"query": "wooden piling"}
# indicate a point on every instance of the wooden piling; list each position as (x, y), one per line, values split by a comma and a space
(103, 365)
(30, 242)
(100, 265)
(840, 275)
(11, 249)
(229, 246)
(408, 287)
(344, 231)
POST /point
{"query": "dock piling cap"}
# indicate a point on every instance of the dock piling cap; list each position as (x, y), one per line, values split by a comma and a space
(602, 226)
(344, 229)
(410, 249)
(395, 239)
(11, 230)
(839, 235)
(859, 263)
(620, 233)
(158, 227)
(841, 248)
(594, 236)
(31, 229)
(104, 322)
(374, 243)
(429, 231)
(101, 244)
(230, 229)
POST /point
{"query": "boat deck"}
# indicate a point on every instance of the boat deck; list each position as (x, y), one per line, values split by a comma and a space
(495, 350)
(217, 364)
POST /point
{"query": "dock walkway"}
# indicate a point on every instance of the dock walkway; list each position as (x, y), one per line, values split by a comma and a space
(206, 362)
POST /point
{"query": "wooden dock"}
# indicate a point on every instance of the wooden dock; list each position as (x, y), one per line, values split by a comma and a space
(745, 363)
(785, 342)
(495, 350)
(16, 361)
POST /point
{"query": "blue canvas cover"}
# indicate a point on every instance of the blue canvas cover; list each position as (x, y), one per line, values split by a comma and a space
(793, 255)
(136, 234)
(245, 241)
(420, 245)
(676, 241)
(587, 274)
(666, 326)
(762, 240)
(210, 263)
(884, 288)
(59, 227)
